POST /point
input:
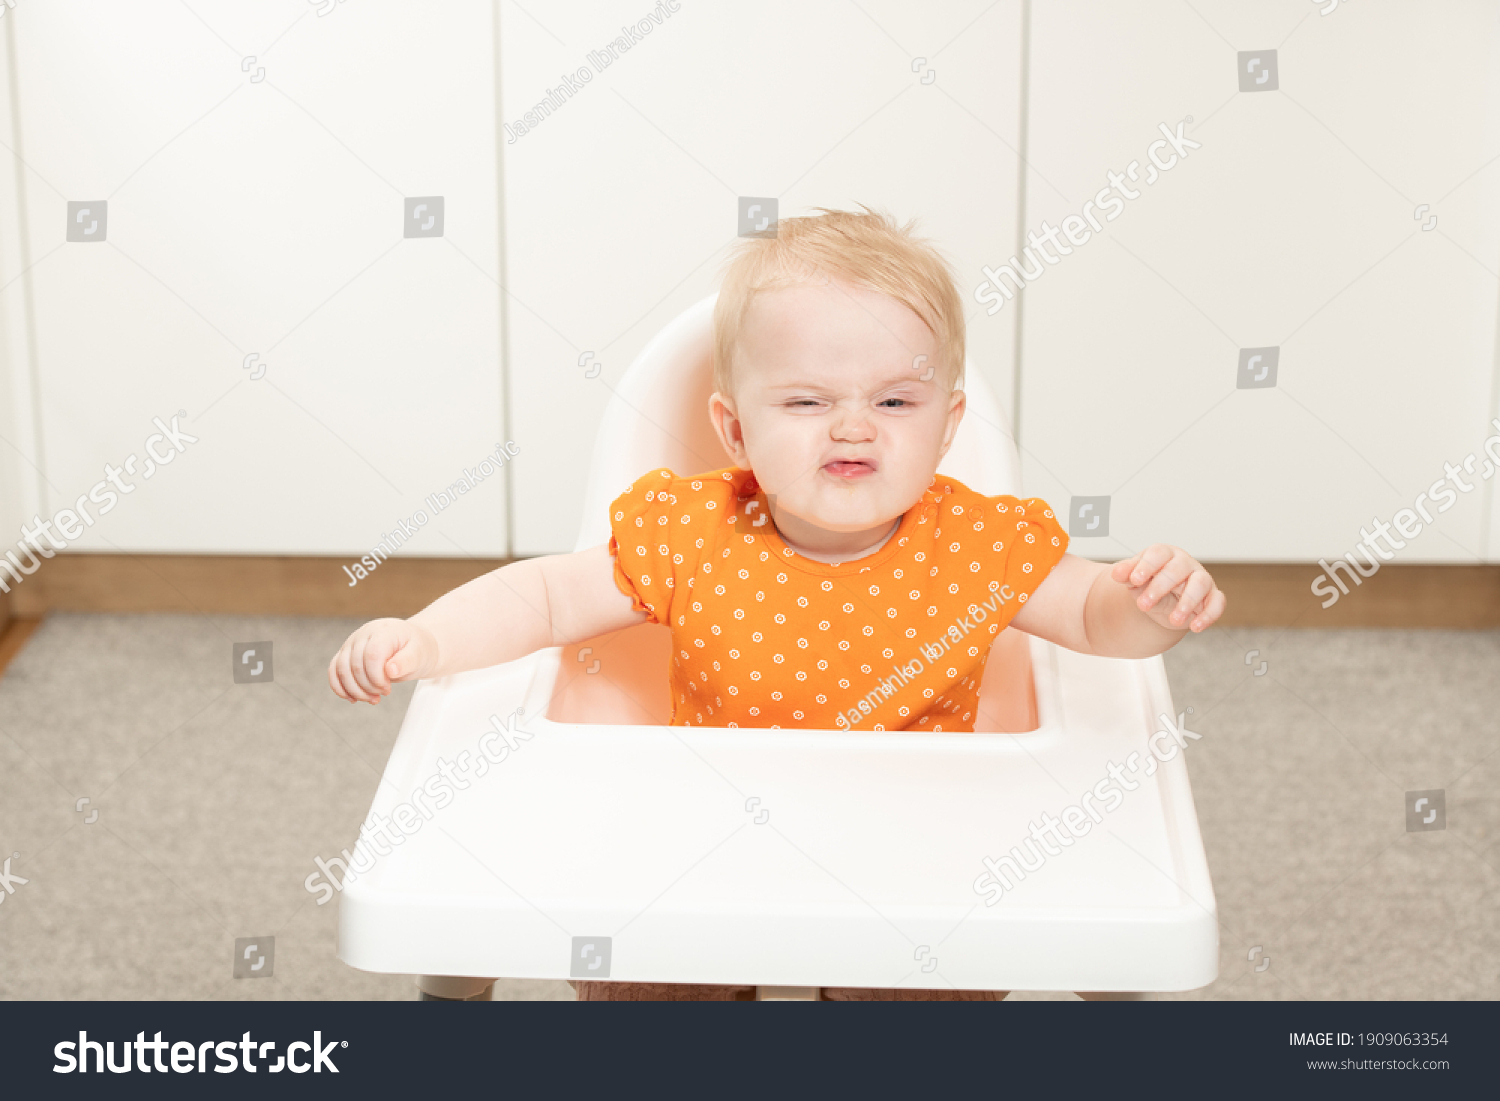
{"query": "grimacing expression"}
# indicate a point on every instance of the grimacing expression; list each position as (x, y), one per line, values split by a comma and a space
(831, 411)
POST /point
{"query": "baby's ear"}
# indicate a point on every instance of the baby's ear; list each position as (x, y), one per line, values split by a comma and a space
(727, 427)
(957, 403)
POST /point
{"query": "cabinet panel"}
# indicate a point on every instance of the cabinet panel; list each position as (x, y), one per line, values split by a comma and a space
(621, 203)
(256, 273)
(1294, 227)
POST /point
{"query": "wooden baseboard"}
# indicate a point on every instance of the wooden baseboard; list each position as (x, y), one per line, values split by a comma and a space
(13, 636)
(215, 584)
(1458, 597)
(1260, 594)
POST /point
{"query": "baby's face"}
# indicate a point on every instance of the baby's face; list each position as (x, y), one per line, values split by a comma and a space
(832, 413)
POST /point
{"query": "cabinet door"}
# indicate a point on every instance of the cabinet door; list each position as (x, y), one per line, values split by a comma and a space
(1331, 219)
(622, 198)
(256, 273)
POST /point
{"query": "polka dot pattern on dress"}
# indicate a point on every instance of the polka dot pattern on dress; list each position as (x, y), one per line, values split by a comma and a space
(896, 640)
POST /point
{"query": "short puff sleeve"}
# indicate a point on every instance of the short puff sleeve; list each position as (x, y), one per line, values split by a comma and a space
(1031, 542)
(641, 528)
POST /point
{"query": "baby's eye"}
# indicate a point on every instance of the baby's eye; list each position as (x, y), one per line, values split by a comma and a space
(896, 403)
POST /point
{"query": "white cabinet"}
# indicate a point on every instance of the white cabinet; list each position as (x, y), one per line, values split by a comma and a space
(1295, 226)
(254, 164)
(256, 226)
(621, 204)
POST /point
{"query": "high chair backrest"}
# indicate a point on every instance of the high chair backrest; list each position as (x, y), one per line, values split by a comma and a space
(658, 417)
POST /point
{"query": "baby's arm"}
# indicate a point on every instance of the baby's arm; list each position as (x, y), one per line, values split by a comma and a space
(1133, 609)
(498, 617)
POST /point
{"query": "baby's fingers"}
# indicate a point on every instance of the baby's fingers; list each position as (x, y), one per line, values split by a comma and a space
(333, 678)
(1170, 577)
(343, 669)
(1121, 570)
(1213, 609)
(371, 652)
(1195, 591)
(1149, 564)
(402, 664)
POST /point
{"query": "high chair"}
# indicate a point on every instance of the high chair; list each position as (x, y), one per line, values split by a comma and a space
(600, 843)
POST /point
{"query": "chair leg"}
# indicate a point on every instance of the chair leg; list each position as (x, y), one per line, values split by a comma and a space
(1116, 995)
(454, 988)
(788, 993)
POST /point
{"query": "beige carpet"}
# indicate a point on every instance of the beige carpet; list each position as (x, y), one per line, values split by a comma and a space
(213, 798)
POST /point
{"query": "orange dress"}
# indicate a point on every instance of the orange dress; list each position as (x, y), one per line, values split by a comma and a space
(762, 636)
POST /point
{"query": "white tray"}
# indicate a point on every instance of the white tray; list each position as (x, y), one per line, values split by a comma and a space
(655, 845)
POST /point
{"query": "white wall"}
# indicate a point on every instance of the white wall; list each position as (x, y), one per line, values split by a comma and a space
(265, 217)
(18, 476)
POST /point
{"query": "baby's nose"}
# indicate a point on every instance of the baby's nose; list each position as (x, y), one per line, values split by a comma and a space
(853, 426)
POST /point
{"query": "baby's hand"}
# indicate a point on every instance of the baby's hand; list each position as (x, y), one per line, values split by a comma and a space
(1174, 587)
(379, 654)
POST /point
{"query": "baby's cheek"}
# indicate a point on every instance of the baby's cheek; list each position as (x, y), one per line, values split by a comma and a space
(910, 478)
(774, 452)
(781, 464)
(916, 449)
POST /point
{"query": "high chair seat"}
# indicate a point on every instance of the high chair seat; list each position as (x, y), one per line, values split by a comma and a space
(600, 843)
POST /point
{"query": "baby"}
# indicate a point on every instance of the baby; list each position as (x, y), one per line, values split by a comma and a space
(829, 578)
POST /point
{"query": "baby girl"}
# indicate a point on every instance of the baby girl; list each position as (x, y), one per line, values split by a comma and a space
(805, 583)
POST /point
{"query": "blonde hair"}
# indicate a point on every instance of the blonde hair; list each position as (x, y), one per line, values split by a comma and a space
(867, 250)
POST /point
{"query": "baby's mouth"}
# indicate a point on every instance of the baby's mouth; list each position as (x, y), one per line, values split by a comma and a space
(849, 469)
